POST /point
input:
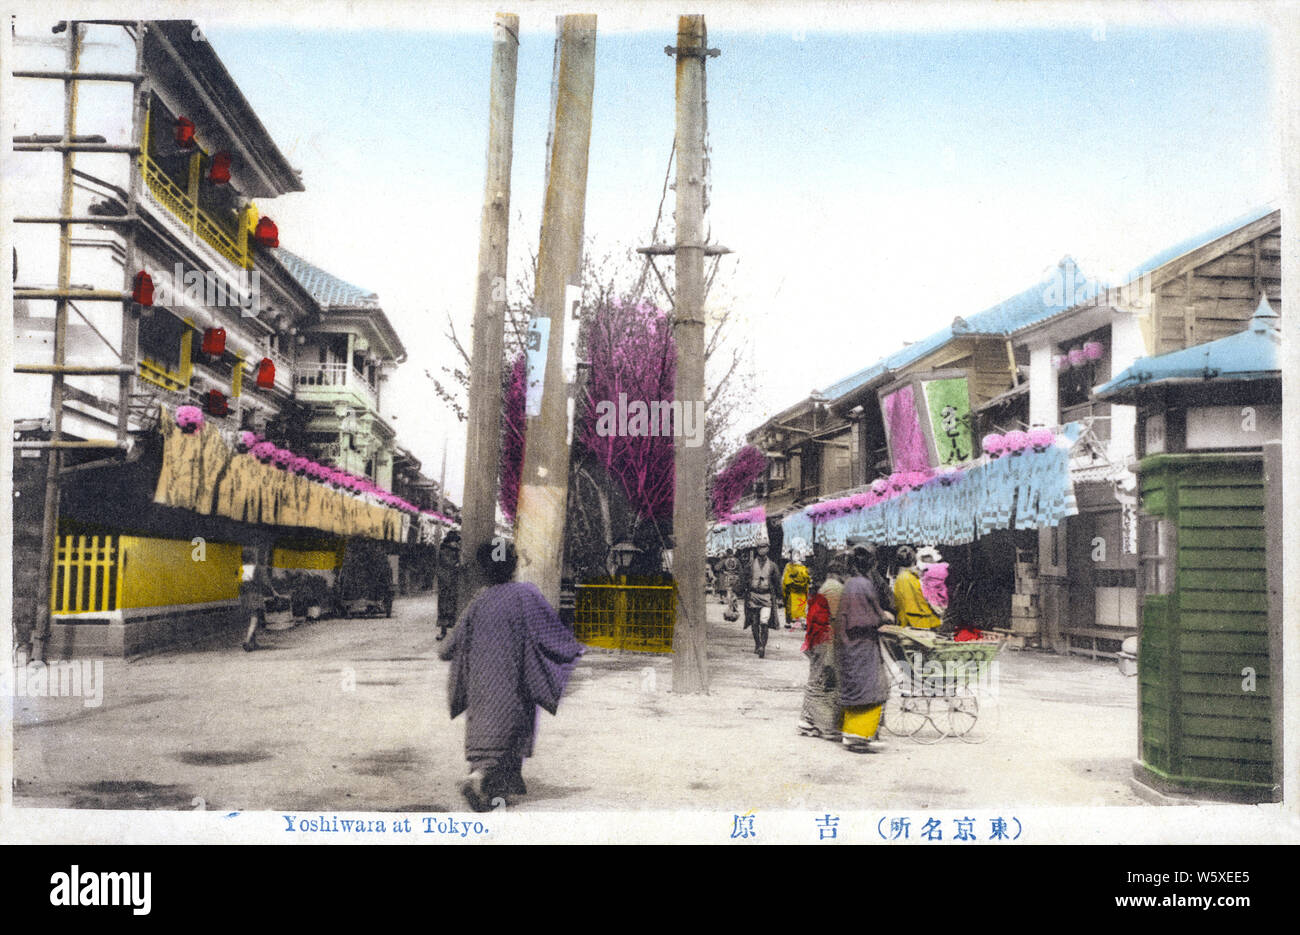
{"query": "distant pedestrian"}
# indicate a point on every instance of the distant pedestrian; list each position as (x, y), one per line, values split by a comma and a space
(448, 582)
(762, 584)
(864, 681)
(820, 716)
(510, 655)
(730, 578)
(795, 581)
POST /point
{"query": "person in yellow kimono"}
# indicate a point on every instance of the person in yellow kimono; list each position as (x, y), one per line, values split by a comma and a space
(909, 601)
(795, 582)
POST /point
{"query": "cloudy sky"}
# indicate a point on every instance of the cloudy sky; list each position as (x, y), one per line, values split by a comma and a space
(876, 176)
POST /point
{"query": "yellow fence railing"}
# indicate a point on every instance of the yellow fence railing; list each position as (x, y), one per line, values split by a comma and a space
(94, 574)
(87, 577)
(630, 617)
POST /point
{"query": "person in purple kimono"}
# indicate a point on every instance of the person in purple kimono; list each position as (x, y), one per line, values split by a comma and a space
(510, 657)
(863, 678)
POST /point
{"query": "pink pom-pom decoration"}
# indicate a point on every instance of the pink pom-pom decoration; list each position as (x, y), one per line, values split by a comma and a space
(246, 441)
(299, 465)
(281, 458)
(1077, 358)
(1041, 439)
(879, 486)
(263, 451)
(189, 418)
(1016, 441)
(1093, 350)
(994, 445)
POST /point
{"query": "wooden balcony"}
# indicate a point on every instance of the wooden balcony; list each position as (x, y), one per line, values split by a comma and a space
(335, 380)
(232, 244)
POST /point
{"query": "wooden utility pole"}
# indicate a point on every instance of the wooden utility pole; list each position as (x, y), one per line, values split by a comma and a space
(483, 443)
(50, 527)
(544, 483)
(690, 646)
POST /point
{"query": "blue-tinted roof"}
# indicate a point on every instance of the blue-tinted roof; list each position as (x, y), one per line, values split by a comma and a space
(1191, 243)
(326, 289)
(1249, 355)
(1065, 288)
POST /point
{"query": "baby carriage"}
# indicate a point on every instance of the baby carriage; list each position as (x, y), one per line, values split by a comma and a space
(941, 687)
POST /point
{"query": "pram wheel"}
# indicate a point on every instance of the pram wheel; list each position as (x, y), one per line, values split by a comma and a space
(906, 715)
(963, 712)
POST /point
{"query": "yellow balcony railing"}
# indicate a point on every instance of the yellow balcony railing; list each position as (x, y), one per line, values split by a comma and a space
(183, 203)
(178, 201)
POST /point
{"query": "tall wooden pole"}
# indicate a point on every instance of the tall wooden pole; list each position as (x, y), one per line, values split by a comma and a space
(690, 645)
(544, 483)
(483, 443)
(50, 526)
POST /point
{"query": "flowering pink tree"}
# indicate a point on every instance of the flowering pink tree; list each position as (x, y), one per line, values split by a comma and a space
(730, 484)
(512, 435)
(633, 360)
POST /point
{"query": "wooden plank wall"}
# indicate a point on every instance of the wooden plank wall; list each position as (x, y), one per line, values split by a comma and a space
(1217, 298)
(986, 359)
(1222, 602)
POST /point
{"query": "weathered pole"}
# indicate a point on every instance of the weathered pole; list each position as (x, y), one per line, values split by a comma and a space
(483, 435)
(50, 526)
(690, 644)
(544, 483)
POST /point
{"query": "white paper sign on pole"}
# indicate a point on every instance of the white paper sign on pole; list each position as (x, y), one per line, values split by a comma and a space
(539, 333)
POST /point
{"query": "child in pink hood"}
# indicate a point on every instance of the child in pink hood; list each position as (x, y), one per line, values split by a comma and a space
(934, 579)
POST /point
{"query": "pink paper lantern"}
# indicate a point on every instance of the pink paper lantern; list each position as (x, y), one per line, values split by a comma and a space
(1077, 357)
(1041, 439)
(1093, 350)
(189, 418)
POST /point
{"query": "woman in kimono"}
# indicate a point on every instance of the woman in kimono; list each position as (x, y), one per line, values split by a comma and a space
(864, 681)
(795, 582)
(510, 656)
(820, 716)
(448, 582)
(909, 597)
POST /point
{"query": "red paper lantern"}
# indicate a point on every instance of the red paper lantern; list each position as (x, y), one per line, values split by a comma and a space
(266, 374)
(142, 289)
(214, 341)
(216, 403)
(266, 233)
(184, 133)
(219, 174)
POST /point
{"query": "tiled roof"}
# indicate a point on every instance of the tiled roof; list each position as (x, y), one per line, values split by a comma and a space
(328, 290)
(1065, 288)
(1248, 355)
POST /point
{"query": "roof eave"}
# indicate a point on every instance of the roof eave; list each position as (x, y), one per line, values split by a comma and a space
(270, 164)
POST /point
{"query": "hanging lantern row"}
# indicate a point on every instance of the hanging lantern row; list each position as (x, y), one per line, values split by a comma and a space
(1091, 352)
(215, 403)
(219, 174)
(266, 233)
(214, 342)
(266, 374)
(184, 133)
(142, 289)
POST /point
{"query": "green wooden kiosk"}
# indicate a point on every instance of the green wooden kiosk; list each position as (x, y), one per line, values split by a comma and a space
(1209, 637)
